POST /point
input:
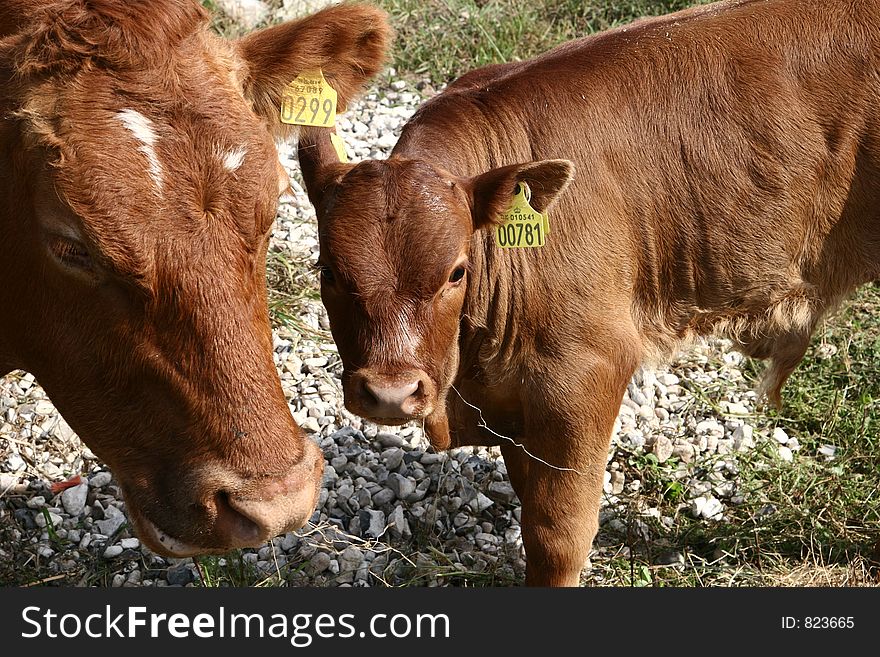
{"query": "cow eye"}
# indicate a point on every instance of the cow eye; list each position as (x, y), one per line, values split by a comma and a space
(456, 275)
(71, 253)
(326, 274)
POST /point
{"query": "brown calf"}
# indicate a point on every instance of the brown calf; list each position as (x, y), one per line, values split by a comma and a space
(138, 183)
(717, 169)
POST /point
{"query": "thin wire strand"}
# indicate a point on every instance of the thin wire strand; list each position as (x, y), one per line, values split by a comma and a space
(482, 424)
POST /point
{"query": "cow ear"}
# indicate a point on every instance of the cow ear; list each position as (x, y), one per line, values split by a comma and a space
(492, 192)
(348, 42)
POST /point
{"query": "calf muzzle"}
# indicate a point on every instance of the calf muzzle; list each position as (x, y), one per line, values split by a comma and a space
(390, 398)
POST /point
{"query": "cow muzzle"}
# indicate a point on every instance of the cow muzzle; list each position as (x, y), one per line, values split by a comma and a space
(238, 511)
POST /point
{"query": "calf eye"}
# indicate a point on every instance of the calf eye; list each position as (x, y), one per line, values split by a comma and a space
(456, 275)
(70, 253)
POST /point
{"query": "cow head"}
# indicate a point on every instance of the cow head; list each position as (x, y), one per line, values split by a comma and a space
(139, 184)
(395, 241)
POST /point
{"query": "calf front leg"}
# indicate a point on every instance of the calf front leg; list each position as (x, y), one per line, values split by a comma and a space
(568, 430)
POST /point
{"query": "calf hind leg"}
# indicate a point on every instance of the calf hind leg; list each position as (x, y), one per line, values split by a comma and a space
(785, 353)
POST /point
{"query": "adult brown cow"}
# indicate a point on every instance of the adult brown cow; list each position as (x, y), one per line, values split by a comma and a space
(139, 183)
(727, 164)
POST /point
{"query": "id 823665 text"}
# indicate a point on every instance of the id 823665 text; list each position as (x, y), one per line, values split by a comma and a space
(818, 622)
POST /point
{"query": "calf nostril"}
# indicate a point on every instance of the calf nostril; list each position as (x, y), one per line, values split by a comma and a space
(420, 389)
(389, 401)
(409, 389)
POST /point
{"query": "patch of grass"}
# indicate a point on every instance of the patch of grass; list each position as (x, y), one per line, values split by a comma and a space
(292, 286)
(811, 522)
(442, 39)
(227, 570)
(221, 23)
(443, 570)
(227, 26)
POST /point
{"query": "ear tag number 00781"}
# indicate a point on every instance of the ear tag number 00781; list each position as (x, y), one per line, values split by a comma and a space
(309, 100)
(522, 226)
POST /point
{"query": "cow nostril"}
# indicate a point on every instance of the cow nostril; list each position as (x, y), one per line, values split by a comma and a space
(233, 523)
(367, 393)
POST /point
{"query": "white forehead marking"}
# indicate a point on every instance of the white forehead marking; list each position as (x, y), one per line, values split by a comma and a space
(142, 129)
(233, 159)
(402, 340)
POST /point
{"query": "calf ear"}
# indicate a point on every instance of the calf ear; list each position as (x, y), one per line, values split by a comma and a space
(319, 163)
(348, 42)
(492, 192)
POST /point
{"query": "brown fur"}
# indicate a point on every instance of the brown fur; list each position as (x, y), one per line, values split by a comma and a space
(132, 268)
(726, 181)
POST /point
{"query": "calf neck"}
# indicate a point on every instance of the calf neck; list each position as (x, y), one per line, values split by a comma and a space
(711, 171)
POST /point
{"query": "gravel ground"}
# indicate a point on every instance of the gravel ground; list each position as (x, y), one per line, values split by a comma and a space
(391, 511)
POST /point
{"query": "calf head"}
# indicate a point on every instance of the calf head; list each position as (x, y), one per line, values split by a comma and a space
(140, 181)
(395, 240)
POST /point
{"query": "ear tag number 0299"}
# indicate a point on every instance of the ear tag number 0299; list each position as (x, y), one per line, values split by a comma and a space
(309, 100)
(522, 226)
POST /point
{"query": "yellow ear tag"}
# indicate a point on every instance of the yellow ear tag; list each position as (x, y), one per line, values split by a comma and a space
(309, 100)
(339, 145)
(523, 226)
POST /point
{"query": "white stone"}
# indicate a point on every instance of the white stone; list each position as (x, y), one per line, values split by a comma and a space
(372, 523)
(310, 425)
(780, 436)
(36, 502)
(646, 412)
(742, 438)
(7, 482)
(481, 503)
(662, 448)
(44, 407)
(113, 520)
(637, 396)
(74, 499)
(734, 408)
(706, 506)
(100, 479)
(710, 428)
(113, 551)
(54, 518)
